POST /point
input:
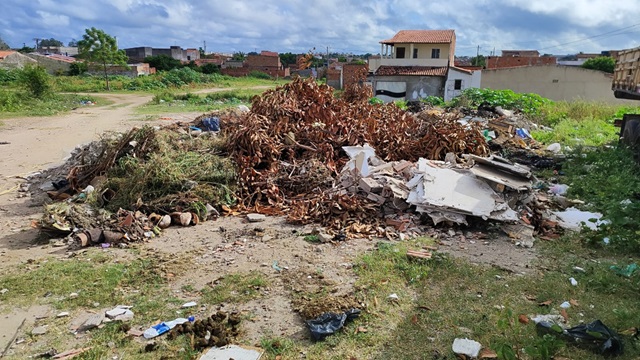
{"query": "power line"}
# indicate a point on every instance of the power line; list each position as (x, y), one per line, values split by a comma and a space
(590, 37)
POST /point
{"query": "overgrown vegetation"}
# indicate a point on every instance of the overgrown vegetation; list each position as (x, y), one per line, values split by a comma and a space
(529, 104)
(180, 171)
(602, 63)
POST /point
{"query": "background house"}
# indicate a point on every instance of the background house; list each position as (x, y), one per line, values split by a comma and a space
(138, 54)
(515, 58)
(415, 64)
(267, 62)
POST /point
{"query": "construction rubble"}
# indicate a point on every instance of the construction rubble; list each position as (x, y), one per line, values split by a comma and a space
(355, 168)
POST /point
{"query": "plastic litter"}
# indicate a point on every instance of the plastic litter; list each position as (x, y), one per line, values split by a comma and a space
(275, 266)
(523, 133)
(554, 148)
(328, 323)
(162, 328)
(626, 271)
(559, 189)
(595, 335)
(189, 304)
(565, 305)
(211, 124)
(573, 281)
(573, 219)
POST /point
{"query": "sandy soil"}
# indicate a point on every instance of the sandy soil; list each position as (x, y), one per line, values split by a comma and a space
(39, 143)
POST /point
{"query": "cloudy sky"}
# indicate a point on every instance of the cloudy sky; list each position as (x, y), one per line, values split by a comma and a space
(350, 26)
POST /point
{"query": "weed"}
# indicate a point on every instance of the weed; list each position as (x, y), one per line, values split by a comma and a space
(527, 103)
(259, 75)
(311, 238)
(234, 288)
(275, 346)
(433, 100)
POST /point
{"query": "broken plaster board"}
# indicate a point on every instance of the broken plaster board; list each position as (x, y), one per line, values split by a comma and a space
(518, 170)
(454, 190)
(500, 177)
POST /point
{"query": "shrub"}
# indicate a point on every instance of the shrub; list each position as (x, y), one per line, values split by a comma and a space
(259, 75)
(78, 68)
(433, 100)
(36, 81)
(527, 103)
(210, 69)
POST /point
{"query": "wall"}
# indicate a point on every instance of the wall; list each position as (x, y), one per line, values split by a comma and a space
(334, 78)
(244, 71)
(138, 54)
(416, 86)
(554, 82)
(263, 61)
(496, 62)
(472, 80)
(352, 73)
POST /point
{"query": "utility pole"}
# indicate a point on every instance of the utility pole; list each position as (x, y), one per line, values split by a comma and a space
(37, 40)
(478, 52)
(205, 47)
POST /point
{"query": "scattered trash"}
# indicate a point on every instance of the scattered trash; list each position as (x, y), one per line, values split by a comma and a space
(574, 219)
(554, 148)
(120, 313)
(63, 314)
(329, 323)
(595, 335)
(573, 281)
(466, 347)
(626, 271)
(421, 254)
(4, 291)
(559, 189)
(579, 269)
(211, 124)
(40, 330)
(189, 304)
(275, 266)
(606, 241)
(393, 297)
(162, 328)
(218, 330)
(233, 352)
(565, 305)
(69, 354)
(92, 322)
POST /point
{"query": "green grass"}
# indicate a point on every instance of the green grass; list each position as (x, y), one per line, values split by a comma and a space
(234, 288)
(167, 101)
(17, 104)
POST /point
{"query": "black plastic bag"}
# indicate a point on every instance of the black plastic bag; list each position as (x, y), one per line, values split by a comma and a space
(211, 124)
(595, 334)
(328, 323)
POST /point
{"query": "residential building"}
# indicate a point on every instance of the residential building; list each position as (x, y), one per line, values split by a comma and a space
(138, 54)
(515, 58)
(415, 64)
(430, 48)
(59, 50)
(267, 62)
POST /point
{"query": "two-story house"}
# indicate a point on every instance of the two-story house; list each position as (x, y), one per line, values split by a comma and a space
(418, 63)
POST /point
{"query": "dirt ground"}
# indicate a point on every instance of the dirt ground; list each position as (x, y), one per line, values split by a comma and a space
(214, 248)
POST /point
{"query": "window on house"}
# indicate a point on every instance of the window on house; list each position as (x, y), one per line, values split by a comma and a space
(189, 57)
(400, 53)
(415, 53)
(457, 85)
(435, 53)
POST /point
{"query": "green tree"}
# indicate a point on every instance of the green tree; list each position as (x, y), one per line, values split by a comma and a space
(238, 56)
(36, 81)
(101, 48)
(73, 43)
(210, 68)
(288, 58)
(50, 42)
(26, 49)
(479, 60)
(78, 68)
(602, 63)
(3, 45)
(163, 62)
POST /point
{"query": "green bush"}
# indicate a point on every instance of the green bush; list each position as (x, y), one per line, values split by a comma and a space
(259, 75)
(529, 104)
(8, 76)
(36, 81)
(433, 100)
(78, 68)
(375, 101)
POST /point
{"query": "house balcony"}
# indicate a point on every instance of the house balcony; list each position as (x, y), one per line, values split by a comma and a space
(374, 64)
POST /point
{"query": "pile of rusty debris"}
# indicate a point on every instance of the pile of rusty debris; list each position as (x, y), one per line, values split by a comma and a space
(356, 168)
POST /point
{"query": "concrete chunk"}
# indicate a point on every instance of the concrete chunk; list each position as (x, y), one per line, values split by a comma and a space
(256, 217)
(466, 347)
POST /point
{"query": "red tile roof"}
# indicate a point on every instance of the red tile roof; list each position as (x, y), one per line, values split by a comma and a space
(468, 71)
(4, 54)
(421, 37)
(268, 53)
(386, 70)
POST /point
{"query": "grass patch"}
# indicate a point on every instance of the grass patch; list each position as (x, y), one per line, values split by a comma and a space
(234, 288)
(96, 278)
(18, 104)
(588, 131)
(168, 101)
(607, 179)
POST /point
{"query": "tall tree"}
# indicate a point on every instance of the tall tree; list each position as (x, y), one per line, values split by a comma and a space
(50, 42)
(3, 45)
(99, 47)
(288, 58)
(163, 62)
(602, 63)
